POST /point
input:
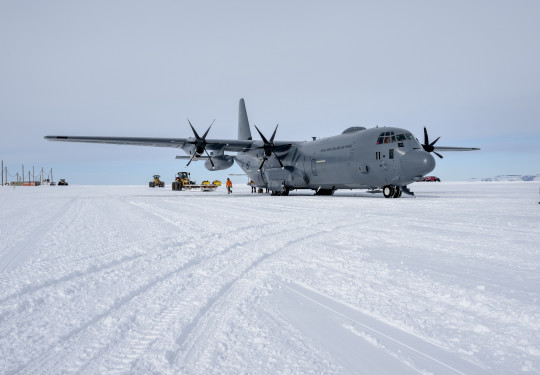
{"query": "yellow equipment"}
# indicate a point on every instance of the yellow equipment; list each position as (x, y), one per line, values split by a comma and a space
(156, 182)
(183, 181)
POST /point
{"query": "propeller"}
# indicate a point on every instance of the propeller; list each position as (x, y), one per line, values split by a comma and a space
(269, 147)
(200, 144)
(428, 147)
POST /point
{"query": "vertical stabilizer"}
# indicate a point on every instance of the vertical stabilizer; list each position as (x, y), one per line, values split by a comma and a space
(243, 124)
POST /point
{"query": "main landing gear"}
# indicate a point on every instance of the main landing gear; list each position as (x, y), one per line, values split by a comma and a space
(390, 191)
(282, 192)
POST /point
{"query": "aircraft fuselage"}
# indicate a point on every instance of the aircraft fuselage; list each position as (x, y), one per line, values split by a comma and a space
(356, 159)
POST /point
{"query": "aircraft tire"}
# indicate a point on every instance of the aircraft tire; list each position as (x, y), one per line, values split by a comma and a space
(397, 192)
(325, 192)
(388, 191)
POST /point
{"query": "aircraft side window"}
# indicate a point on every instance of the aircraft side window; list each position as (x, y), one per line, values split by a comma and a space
(380, 140)
(393, 138)
(409, 136)
(400, 137)
(386, 140)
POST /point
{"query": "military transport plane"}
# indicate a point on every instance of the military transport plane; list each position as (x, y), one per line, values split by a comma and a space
(382, 159)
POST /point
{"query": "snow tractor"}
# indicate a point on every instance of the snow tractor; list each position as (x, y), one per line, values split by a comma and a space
(62, 182)
(183, 181)
(156, 182)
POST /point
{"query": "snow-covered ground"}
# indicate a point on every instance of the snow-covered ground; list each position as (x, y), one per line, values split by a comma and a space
(128, 279)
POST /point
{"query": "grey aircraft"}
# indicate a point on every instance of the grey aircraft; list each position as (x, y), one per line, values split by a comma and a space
(381, 159)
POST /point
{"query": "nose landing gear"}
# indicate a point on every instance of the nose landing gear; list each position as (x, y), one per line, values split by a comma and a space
(391, 191)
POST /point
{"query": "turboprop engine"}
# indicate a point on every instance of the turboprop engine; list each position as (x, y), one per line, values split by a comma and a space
(220, 162)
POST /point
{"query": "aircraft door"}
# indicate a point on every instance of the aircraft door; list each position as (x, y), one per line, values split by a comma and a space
(388, 165)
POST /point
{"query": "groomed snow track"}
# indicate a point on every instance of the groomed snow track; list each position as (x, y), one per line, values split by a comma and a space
(127, 280)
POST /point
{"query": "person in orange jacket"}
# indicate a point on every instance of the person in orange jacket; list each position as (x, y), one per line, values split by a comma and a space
(229, 186)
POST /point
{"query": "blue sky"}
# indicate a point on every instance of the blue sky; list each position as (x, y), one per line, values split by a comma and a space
(468, 70)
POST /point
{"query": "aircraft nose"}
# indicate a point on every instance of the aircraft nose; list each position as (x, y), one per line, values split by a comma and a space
(417, 163)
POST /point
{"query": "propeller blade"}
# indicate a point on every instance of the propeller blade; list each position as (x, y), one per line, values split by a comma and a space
(428, 147)
(279, 160)
(274, 134)
(261, 134)
(264, 160)
(189, 162)
(204, 136)
(439, 155)
(210, 158)
(194, 131)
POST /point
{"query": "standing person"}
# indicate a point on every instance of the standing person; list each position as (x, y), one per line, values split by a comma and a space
(253, 188)
(229, 186)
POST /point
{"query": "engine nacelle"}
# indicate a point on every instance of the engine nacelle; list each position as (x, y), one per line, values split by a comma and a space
(220, 163)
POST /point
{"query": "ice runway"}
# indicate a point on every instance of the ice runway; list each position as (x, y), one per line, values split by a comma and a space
(128, 279)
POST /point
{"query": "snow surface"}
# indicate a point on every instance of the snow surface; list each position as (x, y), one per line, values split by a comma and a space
(128, 279)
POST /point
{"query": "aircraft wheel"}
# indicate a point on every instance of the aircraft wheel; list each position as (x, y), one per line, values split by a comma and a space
(397, 192)
(388, 191)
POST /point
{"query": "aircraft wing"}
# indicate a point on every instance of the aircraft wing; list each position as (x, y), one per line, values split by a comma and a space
(212, 144)
(437, 148)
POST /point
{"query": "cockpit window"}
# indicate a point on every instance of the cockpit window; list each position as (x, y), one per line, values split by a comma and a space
(386, 137)
(390, 137)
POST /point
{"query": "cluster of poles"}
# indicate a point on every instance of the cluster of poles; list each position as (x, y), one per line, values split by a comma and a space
(21, 178)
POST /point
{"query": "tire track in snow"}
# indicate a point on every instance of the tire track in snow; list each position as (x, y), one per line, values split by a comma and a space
(407, 348)
(91, 269)
(49, 360)
(16, 278)
(194, 339)
(17, 253)
(195, 336)
(118, 361)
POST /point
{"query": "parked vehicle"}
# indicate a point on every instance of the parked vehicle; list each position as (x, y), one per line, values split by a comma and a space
(430, 179)
(156, 182)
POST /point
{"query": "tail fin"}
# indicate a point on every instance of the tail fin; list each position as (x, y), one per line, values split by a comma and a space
(243, 125)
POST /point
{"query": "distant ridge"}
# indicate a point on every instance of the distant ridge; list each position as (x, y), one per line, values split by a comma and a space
(511, 177)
